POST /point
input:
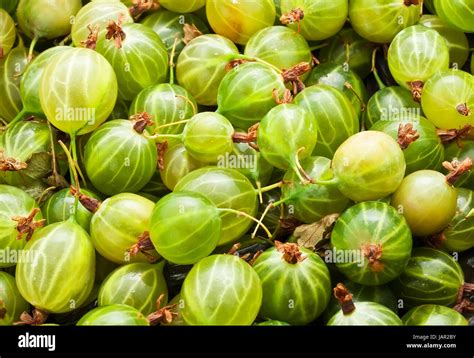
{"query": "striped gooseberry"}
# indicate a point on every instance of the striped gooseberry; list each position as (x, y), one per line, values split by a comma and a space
(46, 19)
(311, 202)
(247, 93)
(31, 80)
(119, 158)
(11, 68)
(59, 275)
(60, 206)
(361, 313)
(20, 216)
(348, 47)
(280, 46)
(21, 164)
(431, 277)
(226, 188)
(170, 26)
(458, 236)
(221, 290)
(239, 20)
(458, 14)
(334, 115)
(127, 216)
(177, 163)
(368, 166)
(315, 19)
(139, 285)
(455, 151)
(381, 294)
(296, 284)
(287, 134)
(433, 315)
(125, 46)
(207, 136)
(91, 83)
(458, 44)
(426, 152)
(12, 304)
(185, 227)
(113, 315)
(165, 104)
(342, 78)
(202, 65)
(432, 56)
(96, 15)
(448, 99)
(183, 6)
(388, 103)
(380, 20)
(380, 236)
(427, 201)
(7, 33)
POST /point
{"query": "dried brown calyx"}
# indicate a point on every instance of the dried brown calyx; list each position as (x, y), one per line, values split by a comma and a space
(2, 52)
(291, 252)
(344, 297)
(141, 121)
(89, 203)
(294, 16)
(10, 164)
(249, 257)
(411, 2)
(115, 32)
(164, 315)
(456, 169)
(249, 137)
(27, 225)
(38, 318)
(286, 98)
(293, 76)
(373, 254)
(143, 245)
(454, 135)
(91, 41)
(161, 148)
(234, 63)
(463, 109)
(406, 135)
(190, 32)
(416, 90)
(463, 301)
(139, 7)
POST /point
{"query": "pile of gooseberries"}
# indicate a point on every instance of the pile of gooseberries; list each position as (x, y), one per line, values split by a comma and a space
(298, 162)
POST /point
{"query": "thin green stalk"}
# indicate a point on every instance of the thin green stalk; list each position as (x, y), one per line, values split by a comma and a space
(241, 213)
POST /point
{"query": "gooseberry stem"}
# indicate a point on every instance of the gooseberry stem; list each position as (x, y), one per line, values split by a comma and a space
(189, 102)
(171, 62)
(22, 114)
(318, 47)
(299, 170)
(72, 168)
(260, 221)
(269, 187)
(254, 59)
(375, 71)
(241, 213)
(32, 48)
